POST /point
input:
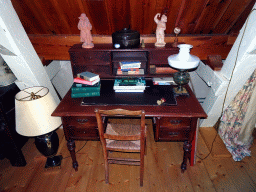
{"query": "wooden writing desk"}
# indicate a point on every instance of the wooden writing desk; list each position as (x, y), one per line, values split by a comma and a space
(171, 123)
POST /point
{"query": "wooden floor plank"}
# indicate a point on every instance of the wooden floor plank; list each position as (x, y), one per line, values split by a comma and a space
(250, 164)
(96, 180)
(155, 179)
(198, 175)
(162, 170)
(242, 181)
(171, 162)
(215, 168)
(7, 171)
(218, 150)
(79, 180)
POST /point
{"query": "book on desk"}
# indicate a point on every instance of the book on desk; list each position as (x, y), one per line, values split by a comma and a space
(89, 76)
(127, 85)
(86, 88)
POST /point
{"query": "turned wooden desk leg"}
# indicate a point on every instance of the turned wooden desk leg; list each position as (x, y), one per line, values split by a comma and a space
(187, 150)
(71, 147)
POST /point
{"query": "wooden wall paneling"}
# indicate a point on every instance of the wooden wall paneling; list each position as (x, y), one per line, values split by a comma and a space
(172, 15)
(55, 47)
(110, 16)
(204, 46)
(210, 14)
(71, 17)
(62, 12)
(216, 10)
(118, 14)
(136, 13)
(50, 15)
(233, 12)
(107, 16)
(241, 20)
(26, 11)
(180, 12)
(99, 17)
(150, 9)
(190, 14)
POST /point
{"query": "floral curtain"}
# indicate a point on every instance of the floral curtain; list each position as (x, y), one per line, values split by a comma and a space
(239, 119)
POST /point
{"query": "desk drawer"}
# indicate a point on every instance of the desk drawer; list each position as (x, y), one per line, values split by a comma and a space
(175, 122)
(82, 122)
(172, 129)
(175, 134)
(82, 128)
(84, 133)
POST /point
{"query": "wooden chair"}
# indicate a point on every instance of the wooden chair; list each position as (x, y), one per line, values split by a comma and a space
(121, 137)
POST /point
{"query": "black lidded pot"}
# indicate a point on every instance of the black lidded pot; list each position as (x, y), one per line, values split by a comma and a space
(126, 39)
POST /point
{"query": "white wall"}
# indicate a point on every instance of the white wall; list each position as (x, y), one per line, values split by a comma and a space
(62, 78)
(18, 52)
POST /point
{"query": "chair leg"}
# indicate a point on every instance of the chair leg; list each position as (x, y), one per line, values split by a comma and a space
(141, 169)
(141, 174)
(106, 167)
(106, 172)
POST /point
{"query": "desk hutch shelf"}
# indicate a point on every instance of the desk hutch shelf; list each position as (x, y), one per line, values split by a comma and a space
(104, 60)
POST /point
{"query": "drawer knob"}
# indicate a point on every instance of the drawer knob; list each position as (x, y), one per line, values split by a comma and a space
(175, 122)
(82, 121)
(173, 134)
(87, 58)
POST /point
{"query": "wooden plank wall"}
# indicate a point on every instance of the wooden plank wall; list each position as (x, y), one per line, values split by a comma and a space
(55, 47)
(107, 16)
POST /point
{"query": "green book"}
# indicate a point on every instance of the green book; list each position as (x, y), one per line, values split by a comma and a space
(129, 82)
(81, 88)
(88, 94)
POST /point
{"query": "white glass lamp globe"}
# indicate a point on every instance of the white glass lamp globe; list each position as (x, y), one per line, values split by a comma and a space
(183, 60)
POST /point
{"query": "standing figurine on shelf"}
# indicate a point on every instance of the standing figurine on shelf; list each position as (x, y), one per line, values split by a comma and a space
(161, 26)
(85, 28)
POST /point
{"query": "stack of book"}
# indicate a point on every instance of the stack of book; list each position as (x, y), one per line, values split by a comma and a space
(163, 81)
(86, 84)
(129, 85)
(130, 68)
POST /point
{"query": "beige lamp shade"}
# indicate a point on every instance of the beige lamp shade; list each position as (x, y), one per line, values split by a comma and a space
(33, 109)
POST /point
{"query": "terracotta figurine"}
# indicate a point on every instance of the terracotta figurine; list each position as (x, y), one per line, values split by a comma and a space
(161, 26)
(85, 28)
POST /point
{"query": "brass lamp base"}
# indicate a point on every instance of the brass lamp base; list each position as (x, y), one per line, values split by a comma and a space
(180, 91)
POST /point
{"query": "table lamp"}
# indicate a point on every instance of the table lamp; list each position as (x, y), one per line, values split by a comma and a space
(183, 61)
(33, 109)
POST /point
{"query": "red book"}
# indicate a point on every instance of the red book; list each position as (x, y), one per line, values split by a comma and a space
(82, 81)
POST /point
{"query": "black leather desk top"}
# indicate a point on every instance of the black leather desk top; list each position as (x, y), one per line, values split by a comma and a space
(150, 96)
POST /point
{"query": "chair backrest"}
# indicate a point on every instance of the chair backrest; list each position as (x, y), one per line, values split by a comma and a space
(100, 114)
